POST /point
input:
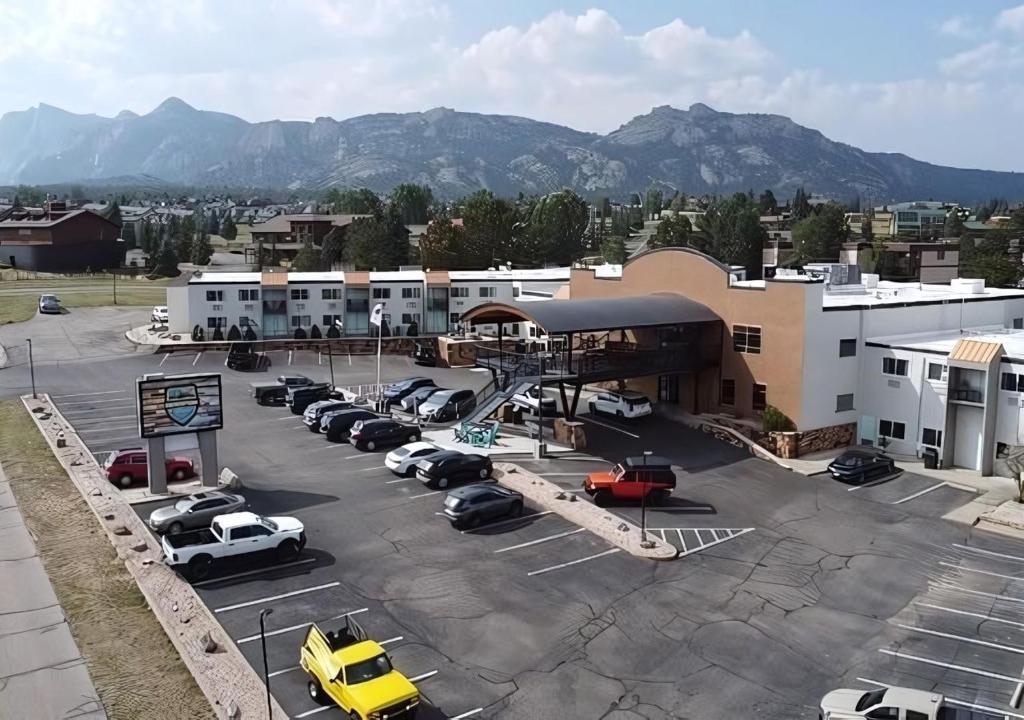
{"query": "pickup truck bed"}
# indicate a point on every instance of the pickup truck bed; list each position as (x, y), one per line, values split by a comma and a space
(193, 537)
(955, 713)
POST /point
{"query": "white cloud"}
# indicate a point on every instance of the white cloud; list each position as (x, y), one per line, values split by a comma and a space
(1011, 19)
(957, 26)
(987, 58)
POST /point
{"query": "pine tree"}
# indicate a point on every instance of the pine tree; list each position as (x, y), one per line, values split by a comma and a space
(167, 261)
(201, 250)
(228, 230)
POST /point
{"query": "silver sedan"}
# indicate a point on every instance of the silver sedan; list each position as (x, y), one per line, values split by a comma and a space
(194, 511)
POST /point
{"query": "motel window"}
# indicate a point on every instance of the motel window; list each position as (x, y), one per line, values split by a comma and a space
(1018, 323)
(214, 296)
(1012, 382)
(243, 321)
(381, 293)
(462, 292)
(892, 429)
(746, 339)
(301, 321)
(246, 295)
(409, 293)
(940, 254)
(728, 393)
(892, 366)
(844, 402)
(848, 347)
(330, 320)
(453, 318)
(330, 294)
(300, 294)
(759, 397)
(216, 322)
(488, 292)
(410, 318)
(935, 371)
(931, 436)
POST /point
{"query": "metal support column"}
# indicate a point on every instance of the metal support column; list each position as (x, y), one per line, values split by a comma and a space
(565, 401)
(501, 355)
(208, 457)
(156, 466)
(575, 399)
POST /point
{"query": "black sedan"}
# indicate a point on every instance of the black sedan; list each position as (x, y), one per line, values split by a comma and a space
(858, 465)
(397, 391)
(336, 425)
(468, 506)
(453, 466)
(373, 434)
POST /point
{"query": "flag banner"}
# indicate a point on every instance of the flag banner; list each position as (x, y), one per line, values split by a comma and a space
(377, 316)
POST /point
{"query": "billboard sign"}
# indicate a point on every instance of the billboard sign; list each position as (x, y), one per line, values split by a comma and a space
(175, 404)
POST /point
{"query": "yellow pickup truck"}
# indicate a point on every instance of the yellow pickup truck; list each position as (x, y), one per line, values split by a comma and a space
(347, 668)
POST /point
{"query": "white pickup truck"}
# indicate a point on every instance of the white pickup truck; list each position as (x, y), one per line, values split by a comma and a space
(894, 703)
(232, 535)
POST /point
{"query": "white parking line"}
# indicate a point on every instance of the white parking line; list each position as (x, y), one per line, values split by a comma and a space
(426, 494)
(961, 638)
(920, 493)
(948, 666)
(424, 676)
(966, 613)
(198, 355)
(606, 425)
(166, 355)
(284, 670)
(397, 638)
(572, 562)
(103, 392)
(541, 540)
(290, 416)
(876, 481)
(980, 572)
(729, 535)
(979, 551)
(314, 711)
(398, 480)
(250, 638)
(500, 523)
(957, 588)
(468, 713)
(105, 431)
(981, 708)
(293, 593)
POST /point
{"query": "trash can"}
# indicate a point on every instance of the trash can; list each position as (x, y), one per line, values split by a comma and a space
(931, 458)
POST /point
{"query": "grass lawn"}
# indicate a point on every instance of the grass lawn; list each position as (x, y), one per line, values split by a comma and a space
(19, 298)
(136, 670)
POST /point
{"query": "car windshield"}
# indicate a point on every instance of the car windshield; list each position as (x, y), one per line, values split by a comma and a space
(367, 669)
(618, 471)
(870, 699)
(400, 452)
(183, 505)
(636, 402)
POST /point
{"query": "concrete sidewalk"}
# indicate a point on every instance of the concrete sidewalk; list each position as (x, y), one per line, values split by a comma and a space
(42, 672)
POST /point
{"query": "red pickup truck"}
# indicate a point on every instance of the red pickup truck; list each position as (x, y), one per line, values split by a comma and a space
(129, 465)
(633, 479)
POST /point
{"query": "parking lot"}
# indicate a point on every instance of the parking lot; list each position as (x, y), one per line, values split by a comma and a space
(789, 586)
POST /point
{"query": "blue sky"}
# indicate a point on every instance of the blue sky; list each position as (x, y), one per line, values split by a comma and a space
(938, 80)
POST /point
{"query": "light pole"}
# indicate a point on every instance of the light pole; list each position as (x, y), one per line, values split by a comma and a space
(31, 368)
(644, 542)
(263, 641)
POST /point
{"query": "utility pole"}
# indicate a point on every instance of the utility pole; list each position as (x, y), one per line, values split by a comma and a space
(266, 674)
(31, 368)
(114, 273)
(330, 359)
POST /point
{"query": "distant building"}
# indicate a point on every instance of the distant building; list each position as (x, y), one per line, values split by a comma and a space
(927, 262)
(920, 219)
(59, 240)
(284, 235)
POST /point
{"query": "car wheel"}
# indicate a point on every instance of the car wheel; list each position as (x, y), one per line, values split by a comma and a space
(471, 521)
(179, 475)
(199, 567)
(174, 528)
(516, 510)
(413, 438)
(125, 480)
(354, 715)
(485, 473)
(288, 550)
(371, 446)
(442, 483)
(602, 498)
(316, 693)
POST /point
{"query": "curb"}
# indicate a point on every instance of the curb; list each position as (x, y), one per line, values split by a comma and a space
(225, 677)
(607, 526)
(3, 357)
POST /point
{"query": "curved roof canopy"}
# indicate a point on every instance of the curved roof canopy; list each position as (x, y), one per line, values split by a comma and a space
(594, 314)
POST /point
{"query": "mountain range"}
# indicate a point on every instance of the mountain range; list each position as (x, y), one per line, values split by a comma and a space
(696, 151)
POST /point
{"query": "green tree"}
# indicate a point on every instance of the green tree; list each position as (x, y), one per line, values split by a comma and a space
(149, 242)
(555, 230)
(354, 202)
(488, 223)
(731, 232)
(166, 261)
(673, 231)
(767, 204)
(201, 250)
(307, 259)
(413, 203)
(212, 223)
(228, 229)
(380, 242)
(1016, 219)
(442, 243)
(993, 258)
(613, 249)
(820, 236)
(332, 250)
(183, 233)
(652, 204)
(801, 206)
(678, 203)
(29, 196)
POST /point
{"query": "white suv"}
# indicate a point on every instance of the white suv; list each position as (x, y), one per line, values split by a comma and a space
(159, 314)
(626, 404)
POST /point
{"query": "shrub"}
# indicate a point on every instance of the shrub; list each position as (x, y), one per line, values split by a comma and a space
(249, 333)
(234, 333)
(314, 333)
(218, 334)
(774, 420)
(300, 334)
(333, 332)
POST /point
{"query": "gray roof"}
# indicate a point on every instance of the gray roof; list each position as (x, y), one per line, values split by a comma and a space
(593, 314)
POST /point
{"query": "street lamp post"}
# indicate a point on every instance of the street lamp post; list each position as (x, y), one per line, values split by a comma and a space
(644, 542)
(263, 641)
(31, 368)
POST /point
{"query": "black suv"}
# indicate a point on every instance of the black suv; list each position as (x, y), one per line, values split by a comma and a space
(373, 434)
(300, 398)
(337, 424)
(859, 464)
(453, 466)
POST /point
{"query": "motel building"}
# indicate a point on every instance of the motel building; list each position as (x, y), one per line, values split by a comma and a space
(906, 366)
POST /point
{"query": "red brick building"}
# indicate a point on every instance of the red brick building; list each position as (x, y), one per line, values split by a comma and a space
(59, 240)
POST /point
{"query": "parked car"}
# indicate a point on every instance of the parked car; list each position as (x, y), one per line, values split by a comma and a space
(402, 460)
(451, 466)
(195, 511)
(275, 393)
(411, 402)
(336, 425)
(243, 356)
(300, 398)
(468, 506)
(447, 405)
(861, 464)
(313, 413)
(348, 669)
(623, 405)
(396, 391)
(424, 354)
(49, 304)
(533, 399)
(159, 314)
(632, 479)
(894, 703)
(381, 432)
(196, 551)
(130, 465)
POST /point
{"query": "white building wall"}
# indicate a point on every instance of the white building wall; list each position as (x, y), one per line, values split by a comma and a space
(227, 306)
(396, 305)
(315, 306)
(178, 319)
(900, 398)
(825, 374)
(1009, 420)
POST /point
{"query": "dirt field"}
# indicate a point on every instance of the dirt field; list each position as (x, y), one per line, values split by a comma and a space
(136, 670)
(19, 298)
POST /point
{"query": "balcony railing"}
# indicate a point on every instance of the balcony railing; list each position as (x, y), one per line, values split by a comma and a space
(967, 395)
